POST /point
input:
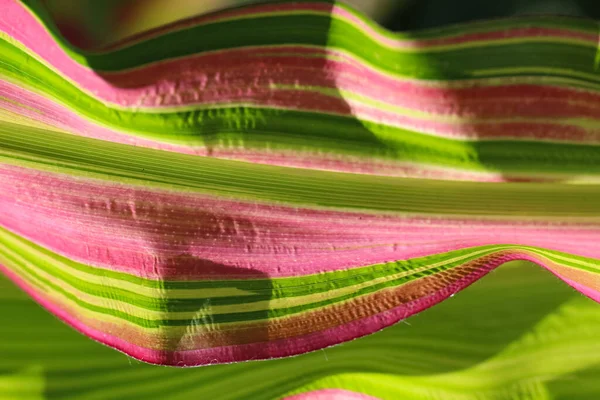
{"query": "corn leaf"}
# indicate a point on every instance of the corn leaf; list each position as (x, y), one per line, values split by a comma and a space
(275, 179)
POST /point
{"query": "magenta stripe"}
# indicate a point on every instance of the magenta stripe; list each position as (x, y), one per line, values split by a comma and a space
(276, 348)
(580, 287)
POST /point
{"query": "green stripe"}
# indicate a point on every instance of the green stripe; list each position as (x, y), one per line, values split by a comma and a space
(312, 284)
(28, 274)
(112, 162)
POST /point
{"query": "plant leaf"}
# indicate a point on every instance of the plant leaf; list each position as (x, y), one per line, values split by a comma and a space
(356, 177)
(515, 334)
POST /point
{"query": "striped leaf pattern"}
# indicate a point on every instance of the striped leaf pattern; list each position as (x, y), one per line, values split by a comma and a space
(516, 334)
(275, 179)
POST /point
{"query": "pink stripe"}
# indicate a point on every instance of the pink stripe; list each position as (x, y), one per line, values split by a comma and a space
(587, 291)
(331, 394)
(43, 109)
(17, 22)
(208, 78)
(159, 234)
(248, 78)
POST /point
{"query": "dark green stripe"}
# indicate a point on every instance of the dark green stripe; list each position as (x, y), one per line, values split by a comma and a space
(301, 28)
(263, 289)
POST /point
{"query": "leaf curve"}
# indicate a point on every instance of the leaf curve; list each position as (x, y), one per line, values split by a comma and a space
(477, 333)
(114, 223)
